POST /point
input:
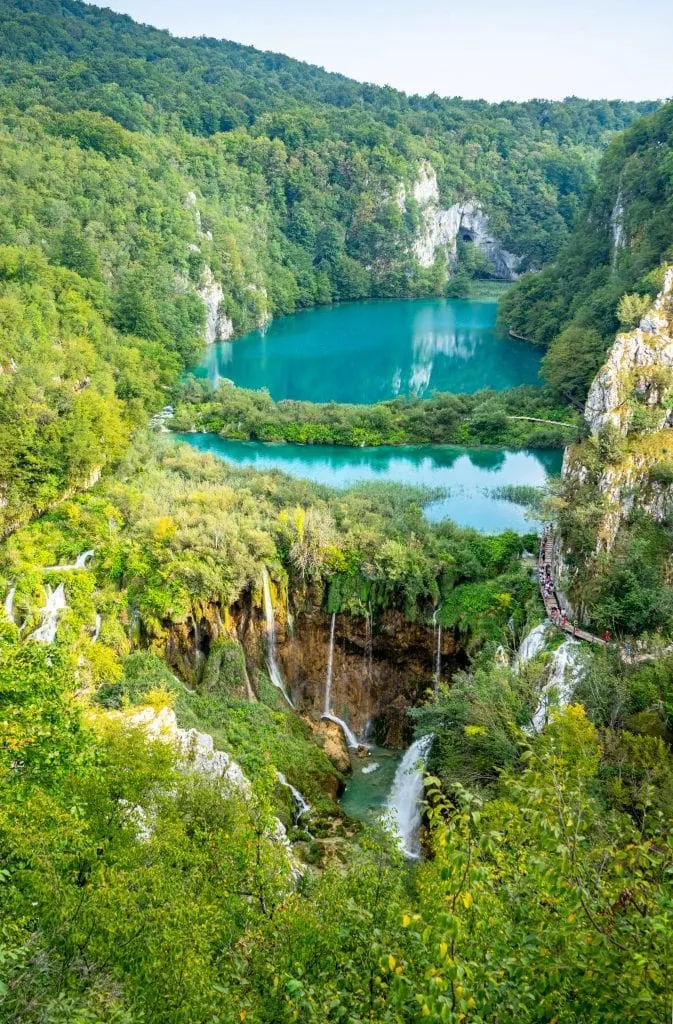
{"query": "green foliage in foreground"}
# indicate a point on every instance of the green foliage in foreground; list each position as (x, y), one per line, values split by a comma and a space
(529, 908)
(487, 417)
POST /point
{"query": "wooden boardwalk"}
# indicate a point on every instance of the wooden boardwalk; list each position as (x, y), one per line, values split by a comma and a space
(551, 601)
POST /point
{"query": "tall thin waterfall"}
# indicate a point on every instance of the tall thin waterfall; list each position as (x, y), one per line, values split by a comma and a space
(405, 796)
(351, 739)
(438, 659)
(330, 668)
(54, 604)
(275, 674)
(301, 805)
(9, 604)
(564, 673)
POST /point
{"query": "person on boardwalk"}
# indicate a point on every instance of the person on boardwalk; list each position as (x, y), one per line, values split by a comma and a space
(606, 636)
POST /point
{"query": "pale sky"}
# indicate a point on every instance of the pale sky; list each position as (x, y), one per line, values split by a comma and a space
(491, 49)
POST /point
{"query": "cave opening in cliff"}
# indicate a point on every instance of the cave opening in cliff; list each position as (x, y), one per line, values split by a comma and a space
(467, 237)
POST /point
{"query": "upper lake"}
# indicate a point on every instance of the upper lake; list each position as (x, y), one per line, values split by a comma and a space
(367, 352)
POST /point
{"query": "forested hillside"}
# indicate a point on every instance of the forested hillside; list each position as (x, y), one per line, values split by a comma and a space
(193, 180)
(612, 265)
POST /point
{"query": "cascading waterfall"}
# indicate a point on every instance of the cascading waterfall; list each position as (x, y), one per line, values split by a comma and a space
(404, 801)
(301, 805)
(96, 628)
(438, 659)
(350, 737)
(327, 707)
(9, 604)
(55, 603)
(531, 645)
(79, 563)
(275, 674)
(564, 673)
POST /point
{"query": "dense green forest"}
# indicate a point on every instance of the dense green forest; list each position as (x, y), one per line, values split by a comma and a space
(153, 864)
(510, 418)
(619, 248)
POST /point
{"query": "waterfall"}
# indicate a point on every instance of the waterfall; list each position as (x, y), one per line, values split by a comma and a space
(79, 563)
(54, 604)
(564, 673)
(9, 604)
(531, 645)
(330, 668)
(438, 659)
(301, 805)
(275, 674)
(405, 796)
(351, 739)
(96, 628)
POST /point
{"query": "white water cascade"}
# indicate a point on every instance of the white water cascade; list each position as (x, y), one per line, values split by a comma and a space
(96, 628)
(350, 737)
(301, 805)
(79, 563)
(531, 645)
(438, 659)
(275, 674)
(9, 604)
(406, 794)
(564, 673)
(55, 603)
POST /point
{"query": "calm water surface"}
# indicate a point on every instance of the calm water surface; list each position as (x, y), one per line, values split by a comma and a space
(366, 793)
(370, 351)
(470, 475)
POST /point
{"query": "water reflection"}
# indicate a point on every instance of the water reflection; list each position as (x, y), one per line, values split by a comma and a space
(369, 351)
(468, 475)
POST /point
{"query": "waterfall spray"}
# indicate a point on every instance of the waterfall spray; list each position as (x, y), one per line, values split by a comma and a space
(54, 604)
(9, 604)
(406, 794)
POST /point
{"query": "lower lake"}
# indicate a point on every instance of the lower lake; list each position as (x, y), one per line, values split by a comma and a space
(470, 477)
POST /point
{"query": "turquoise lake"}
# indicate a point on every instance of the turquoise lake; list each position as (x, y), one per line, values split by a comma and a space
(366, 352)
(470, 475)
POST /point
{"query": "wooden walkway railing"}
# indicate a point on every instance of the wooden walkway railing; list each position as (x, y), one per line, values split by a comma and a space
(551, 601)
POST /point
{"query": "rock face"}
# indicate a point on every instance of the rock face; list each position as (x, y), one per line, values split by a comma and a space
(635, 371)
(219, 327)
(441, 227)
(633, 393)
(376, 675)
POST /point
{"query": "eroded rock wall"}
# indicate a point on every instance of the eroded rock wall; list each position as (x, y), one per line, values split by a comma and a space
(441, 227)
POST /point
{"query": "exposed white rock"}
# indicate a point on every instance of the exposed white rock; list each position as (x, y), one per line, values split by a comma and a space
(617, 230)
(219, 326)
(441, 227)
(631, 365)
(197, 749)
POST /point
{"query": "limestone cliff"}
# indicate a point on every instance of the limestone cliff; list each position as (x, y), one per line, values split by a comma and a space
(632, 396)
(442, 227)
(637, 372)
